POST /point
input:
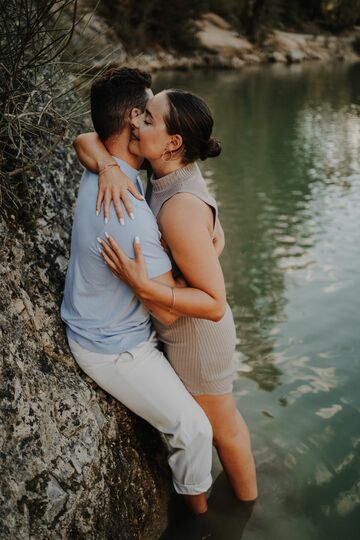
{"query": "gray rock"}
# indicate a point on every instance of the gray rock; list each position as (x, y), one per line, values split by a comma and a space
(276, 56)
(295, 56)
(252, 58)
(237, 63)
(75, 463)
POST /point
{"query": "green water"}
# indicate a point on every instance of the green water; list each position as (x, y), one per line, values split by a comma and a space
(288, 188)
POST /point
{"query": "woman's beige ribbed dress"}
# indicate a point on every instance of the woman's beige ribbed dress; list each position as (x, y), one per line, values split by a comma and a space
(200, 351)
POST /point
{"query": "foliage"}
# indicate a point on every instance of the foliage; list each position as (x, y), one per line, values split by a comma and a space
(143, 24)
(34, 111)
(251, 16)
(340, 14)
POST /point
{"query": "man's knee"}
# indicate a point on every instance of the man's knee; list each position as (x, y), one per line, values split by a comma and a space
(201, 427)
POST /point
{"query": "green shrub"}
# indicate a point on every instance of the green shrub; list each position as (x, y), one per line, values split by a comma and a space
(141, 24)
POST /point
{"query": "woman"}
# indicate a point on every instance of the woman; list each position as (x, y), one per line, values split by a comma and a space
(172, 134)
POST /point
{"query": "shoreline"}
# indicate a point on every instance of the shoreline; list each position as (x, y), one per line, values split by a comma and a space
(220, 47)
(156, 67)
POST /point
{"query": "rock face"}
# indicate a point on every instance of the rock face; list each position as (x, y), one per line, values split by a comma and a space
(75, 463)
(294, 48)
(216, 34)
(222, 47)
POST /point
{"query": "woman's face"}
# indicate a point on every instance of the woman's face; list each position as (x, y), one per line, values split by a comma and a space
(149, 137)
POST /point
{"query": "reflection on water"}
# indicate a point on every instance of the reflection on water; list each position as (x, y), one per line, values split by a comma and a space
(288, 188)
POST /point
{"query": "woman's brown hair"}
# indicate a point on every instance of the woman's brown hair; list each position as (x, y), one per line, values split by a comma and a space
(190, 117)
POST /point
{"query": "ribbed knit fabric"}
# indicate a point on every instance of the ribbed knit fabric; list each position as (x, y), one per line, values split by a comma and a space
(200, 351)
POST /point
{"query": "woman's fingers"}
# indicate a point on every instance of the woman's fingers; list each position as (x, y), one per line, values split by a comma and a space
(127, 204)
(139, 257)
(106, 195)
(110, 263)
(110, 253)
(106, 203)
(118, 209)
(135, 192)
(99, 200)
(114, 249)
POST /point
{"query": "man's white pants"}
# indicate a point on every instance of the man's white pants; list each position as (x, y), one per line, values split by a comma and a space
(144, 381)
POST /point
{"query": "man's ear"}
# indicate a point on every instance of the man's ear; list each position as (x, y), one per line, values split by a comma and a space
(135, 112)
(175, 143)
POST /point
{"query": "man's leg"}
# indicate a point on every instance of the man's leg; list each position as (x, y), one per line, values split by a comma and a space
(144, 381)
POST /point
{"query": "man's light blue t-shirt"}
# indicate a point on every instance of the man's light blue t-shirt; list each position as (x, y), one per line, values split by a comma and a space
(102, 314)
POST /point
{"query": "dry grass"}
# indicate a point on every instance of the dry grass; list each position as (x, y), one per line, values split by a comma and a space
(35, 114)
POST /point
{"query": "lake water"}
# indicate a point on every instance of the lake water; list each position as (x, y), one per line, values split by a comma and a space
(288, 188)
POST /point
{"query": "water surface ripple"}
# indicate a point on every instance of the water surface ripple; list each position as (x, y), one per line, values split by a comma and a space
(288, 187)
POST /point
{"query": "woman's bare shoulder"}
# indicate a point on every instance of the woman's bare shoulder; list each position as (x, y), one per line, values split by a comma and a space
(185, 205)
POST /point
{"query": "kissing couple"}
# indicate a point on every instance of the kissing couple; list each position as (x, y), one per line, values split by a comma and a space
(147, 272)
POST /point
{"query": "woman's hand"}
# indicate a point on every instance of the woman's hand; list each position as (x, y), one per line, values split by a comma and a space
(114, 185)
(132, 271)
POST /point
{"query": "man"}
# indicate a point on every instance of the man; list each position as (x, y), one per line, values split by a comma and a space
(109, 330)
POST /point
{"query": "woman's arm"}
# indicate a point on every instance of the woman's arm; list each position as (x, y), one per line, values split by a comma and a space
(185, 224)
(159, 312)
(113, 183)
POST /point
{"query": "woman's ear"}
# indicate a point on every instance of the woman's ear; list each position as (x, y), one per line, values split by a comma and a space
(175, 143)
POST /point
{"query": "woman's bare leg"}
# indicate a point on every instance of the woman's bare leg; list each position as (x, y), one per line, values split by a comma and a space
(232, 441)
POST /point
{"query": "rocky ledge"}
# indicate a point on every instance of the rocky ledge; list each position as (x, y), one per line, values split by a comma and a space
(221, 47)
(75, 463)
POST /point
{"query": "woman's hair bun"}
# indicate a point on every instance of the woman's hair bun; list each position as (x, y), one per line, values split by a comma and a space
(213, 148)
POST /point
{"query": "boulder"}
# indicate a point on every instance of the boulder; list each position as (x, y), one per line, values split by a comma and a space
(75, 463)
(295, 56)
(295, 47)
(237, 63)
(252, 58)
(277, 56)
(215, 34)
(218, 21)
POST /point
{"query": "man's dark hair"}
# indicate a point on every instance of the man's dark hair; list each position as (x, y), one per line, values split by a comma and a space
(113, 95)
